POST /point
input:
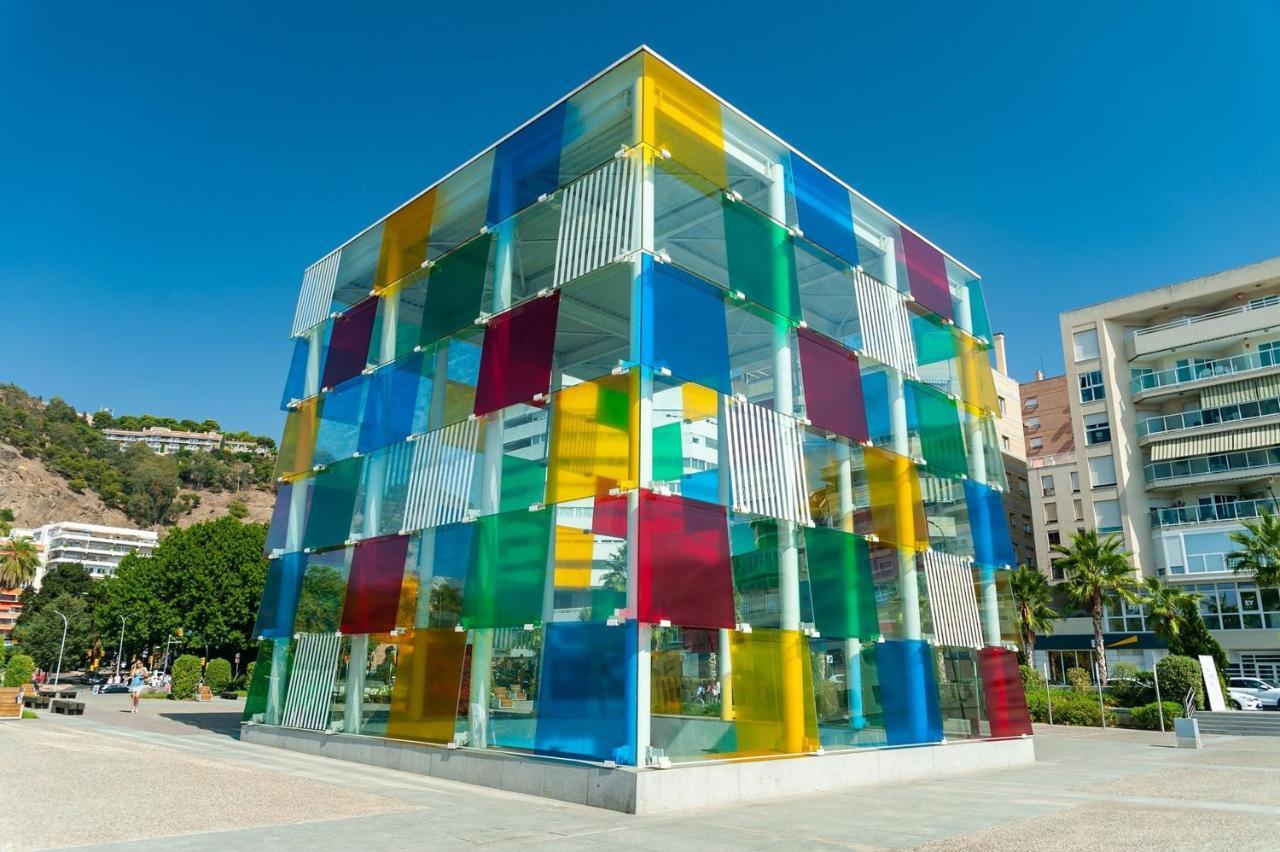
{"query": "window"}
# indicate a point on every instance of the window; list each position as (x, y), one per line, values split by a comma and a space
(1097, 429)
(1086, 344)
(1050, 513)
(1269, 353)
(1075, 482)
(1001, 400)
(1033, 423)
(1264, 302)
(1032, 403)
(1046, 484)
(1022, 487)
(1122, 617)
(1091, 387)
(1037, 443)
(1055, 538)
(1106, 516)
(1079, 509)
(1190, 369)
(1004, 443)
(1102, 471)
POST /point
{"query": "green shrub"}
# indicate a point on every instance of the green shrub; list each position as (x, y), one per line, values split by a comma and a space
(1147, 716)
(1178, 676)
(186, 676)
(19, 670)
(1135, 690)
(1069, 708)
(1032, 680)
(1123, 671)
(1078, 679)
(248, 672)
(217, 673)
(154, 695)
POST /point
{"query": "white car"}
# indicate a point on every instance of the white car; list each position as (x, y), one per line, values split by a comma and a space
(1266, 693)
(1243, 700)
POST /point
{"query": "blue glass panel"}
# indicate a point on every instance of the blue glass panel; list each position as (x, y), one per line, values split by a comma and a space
(586, 702)
(991, 543)
(875, 396)
(280, 597)
(908, 692)
(526, 166)
(683, 326)
(278, 532)
(703, 485)
(398, 404)
(339, 433)
(823, 211)
(295, 382)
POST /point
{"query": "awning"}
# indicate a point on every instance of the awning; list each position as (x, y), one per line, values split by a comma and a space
(1218, 442)
(1084, 641)
(1245, 390)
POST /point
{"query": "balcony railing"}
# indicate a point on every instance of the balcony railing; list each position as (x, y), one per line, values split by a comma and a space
(1211, 514)
(1229, 366)
(1183, 322)
(1209, 417)
(1212, 465)
(1050, 461)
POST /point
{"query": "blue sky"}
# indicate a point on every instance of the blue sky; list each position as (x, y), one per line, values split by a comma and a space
(168, 174)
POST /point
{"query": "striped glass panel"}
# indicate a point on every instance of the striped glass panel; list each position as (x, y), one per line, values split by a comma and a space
(315, 666)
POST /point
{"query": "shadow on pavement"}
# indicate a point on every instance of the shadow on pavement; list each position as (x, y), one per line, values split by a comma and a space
(226, 724)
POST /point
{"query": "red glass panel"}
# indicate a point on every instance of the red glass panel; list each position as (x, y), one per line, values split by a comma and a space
(373, 589)
(610, 516)
(516, 362)
(927, 274)
(1002, 688)
(349, 344)
(685, 573)
(832, 386)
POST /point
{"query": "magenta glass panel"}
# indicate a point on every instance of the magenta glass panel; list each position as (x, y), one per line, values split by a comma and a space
(927, 274)
(832, 386)
(373, 588)
(349, 343)
(609, 516)
(516, 362)
(685, 574)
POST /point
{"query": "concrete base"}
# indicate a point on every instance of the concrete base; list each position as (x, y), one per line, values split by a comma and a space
(644, 791)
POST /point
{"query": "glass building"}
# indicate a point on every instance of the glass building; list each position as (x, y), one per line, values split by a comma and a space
(640, 438)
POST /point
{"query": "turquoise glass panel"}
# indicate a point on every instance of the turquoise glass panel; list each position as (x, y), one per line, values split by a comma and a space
(280, 597)
(333, 499)
(761, 259)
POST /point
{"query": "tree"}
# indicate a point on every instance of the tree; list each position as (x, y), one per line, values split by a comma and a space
(217, 674)
(1194, 638)
(152, 484)
(19, 562)
(238, 510)
(1096, 568)
(1259, 550)
(6, 521)
(19, 669)
(1031, 596)
(41, 635)
(1165, 605)
(186, 676)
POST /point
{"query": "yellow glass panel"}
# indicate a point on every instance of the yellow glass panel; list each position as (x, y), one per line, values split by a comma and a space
(424, 697)
(773, 692)
(665, 682)
(299, 442)
(699, 402)
(977, 387)
(684, 120)
(573, 557)
(404, 241)
(591, 447)
(407, 607)
(897, 513)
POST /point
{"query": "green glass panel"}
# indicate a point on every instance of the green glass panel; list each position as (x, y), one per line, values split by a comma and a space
(762, 262)
(454, 290)
(844, 597)
(668, 458)
(507, 572)
(333, 499)
(324, 590)
(523, 482)
(270, 675)
(933, 341)
(938, 425)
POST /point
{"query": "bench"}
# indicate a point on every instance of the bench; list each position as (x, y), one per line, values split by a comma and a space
(31, 697)
(57, 691)
(67, 707)
(10, 705)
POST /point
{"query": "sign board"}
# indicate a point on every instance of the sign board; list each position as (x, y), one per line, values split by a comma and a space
(1212, 686)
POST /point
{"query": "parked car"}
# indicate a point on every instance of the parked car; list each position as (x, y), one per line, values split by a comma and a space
(1266, 693)
(114, 687)
(1243, 700)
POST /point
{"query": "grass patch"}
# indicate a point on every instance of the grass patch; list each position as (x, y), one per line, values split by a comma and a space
(156, 696)
(30, 714)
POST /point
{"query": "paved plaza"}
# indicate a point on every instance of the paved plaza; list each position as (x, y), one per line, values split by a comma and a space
(175, 776)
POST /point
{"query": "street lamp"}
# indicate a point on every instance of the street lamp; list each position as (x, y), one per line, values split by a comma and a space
(58, 673)
(120, 650)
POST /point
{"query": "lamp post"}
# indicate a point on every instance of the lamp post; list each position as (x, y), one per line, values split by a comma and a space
(120, 649)
(58, 673)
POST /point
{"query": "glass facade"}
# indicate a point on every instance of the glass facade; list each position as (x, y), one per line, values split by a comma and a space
(652, 441)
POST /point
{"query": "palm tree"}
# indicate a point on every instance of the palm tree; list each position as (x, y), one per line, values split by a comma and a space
(1165, 606)
(19, 561)
(1259, 552)
(1031, 596)
(1095, 569)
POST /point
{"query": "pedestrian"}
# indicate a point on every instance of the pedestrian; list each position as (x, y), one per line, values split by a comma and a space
(137, 677)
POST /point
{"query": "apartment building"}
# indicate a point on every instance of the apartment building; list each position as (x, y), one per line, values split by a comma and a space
(1174, 398)
(165, 441)
(234, 445)
(1017, 497)
(1056, 508)
(98, 548)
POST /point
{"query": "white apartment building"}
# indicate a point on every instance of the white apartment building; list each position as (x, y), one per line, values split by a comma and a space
(1175, 410)
(165, 441)
(98, 548)
(233, 445)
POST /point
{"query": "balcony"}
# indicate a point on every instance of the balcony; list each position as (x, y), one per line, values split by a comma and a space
(1194, 376)
(1184, 516)
(1226, 415)
(1189, 332)
(1220, 467)
(1052, 461)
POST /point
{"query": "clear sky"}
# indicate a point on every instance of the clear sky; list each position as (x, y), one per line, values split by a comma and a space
(166, 174)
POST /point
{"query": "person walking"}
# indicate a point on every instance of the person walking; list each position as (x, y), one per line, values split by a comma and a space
(137, 679)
